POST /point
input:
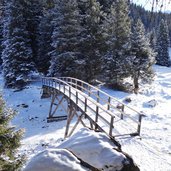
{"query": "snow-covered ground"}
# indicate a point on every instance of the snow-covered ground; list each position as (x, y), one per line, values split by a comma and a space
(93, 148)
(151, 151)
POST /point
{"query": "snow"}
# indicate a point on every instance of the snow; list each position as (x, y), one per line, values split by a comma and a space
(54, 160)
(151, 151)
(83, 144)
(95, 149)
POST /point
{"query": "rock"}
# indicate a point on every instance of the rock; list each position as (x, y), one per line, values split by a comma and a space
(24, 105)
(128, 100)
(152, 103)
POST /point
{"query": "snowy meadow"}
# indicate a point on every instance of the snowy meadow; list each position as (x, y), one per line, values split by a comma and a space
(151, 151)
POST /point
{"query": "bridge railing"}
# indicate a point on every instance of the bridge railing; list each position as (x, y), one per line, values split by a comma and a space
(105, 102)
(120, 109)
(65, 87)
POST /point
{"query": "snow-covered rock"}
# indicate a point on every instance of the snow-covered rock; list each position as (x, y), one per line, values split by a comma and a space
(54, 160)
(95, 149)
(151, 103)
(85, 146)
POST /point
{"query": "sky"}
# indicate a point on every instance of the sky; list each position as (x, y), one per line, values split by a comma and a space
(147, 4)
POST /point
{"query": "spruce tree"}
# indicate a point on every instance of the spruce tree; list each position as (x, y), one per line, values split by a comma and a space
(66, 59)
(163, 45)
(153, 40)
(108, 59)
(9, 141)
(93, 44)
(119, 44)
(44, 41)
(143, 57)
(33, 12)
(17, 53)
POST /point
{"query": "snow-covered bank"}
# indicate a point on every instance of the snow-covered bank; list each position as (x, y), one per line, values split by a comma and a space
(152, 151)
(91, 147)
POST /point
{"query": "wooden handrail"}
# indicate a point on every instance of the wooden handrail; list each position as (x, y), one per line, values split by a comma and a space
(100, 106)
(105, 101)
(76, 87)
(101, 92)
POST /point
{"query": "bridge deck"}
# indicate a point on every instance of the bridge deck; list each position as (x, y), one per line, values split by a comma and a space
(109, 118)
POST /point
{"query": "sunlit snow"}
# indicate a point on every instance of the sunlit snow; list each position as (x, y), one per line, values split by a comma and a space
(151, 151)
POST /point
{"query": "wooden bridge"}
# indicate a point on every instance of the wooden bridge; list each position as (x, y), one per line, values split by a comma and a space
(92, 107)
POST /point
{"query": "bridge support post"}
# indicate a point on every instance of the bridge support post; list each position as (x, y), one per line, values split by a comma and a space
(54, 106)
(45, 92)
(72, 111)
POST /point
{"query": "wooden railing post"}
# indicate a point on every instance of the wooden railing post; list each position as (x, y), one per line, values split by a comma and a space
(122, 110)
(98, 98)
(96, 119)
(70, 92)
(111, 125)
(85, 107)
(139, 124)
(89, 88)
(64, 88)
(108, 105)
(76, 97)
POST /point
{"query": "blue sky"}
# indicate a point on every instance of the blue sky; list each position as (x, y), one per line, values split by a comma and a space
(148, 4)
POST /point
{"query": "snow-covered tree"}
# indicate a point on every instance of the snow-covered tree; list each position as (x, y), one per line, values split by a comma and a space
(153, 39)
(143, 56)
(108, 59)
(119, 43)
(17, 52)
(93, 44)
(163, 45)
(44, 41)
(33, 12)
(9, 140)
(66, 57)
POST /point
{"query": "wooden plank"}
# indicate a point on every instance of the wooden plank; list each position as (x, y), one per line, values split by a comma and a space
(57, 118)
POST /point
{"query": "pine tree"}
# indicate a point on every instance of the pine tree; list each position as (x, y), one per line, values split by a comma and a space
(119, 45)
(143, 57)
(153, 40)
(17, 53)
(93, 44)
(33, 12)
(163, 45)
(105, 4)
(9, 140)
(66, 59)
(44, 41)
(108, 59)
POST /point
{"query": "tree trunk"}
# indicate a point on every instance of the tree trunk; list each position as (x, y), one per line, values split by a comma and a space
(136, 85)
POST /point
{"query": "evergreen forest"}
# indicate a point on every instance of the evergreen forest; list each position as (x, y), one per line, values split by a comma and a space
(91, 40)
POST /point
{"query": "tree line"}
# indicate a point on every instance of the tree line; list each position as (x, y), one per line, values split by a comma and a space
(86, 39)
